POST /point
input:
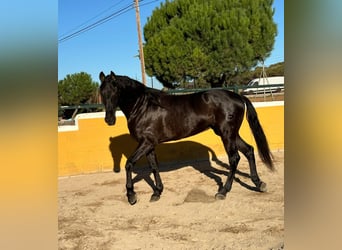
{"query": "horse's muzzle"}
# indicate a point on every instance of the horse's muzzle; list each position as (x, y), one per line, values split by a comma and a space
(110, 121)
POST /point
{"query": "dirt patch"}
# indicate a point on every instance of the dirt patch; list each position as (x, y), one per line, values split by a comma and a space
(94, 212)
(197, 195)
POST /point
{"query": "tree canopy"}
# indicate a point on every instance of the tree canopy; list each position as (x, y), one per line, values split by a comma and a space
(76, 89)
(207, 40)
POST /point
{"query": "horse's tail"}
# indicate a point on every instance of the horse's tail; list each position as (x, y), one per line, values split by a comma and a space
(258, 133)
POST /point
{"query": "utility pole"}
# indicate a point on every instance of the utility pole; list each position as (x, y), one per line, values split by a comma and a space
(141, 50)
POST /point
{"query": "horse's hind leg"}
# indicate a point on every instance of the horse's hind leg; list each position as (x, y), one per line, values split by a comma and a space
(152, 160)
(229, 141)
(248, 151)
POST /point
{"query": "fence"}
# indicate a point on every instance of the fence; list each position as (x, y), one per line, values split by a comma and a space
(240, 89)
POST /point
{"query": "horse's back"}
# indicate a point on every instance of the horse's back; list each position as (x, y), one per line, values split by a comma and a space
(211, 96)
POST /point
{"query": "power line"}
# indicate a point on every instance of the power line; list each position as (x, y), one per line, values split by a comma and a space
(97, 23)
(91, 19)
(102, 20)
(144, 4)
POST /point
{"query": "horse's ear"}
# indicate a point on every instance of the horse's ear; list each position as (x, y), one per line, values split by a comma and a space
(102, 76)
(112, 75)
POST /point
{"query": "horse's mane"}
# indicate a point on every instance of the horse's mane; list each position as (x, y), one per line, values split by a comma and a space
(152, 95)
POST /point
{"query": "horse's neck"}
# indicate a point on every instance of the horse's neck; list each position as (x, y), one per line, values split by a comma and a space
(129, 100)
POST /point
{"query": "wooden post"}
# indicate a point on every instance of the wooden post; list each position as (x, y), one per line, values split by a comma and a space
(141, 50)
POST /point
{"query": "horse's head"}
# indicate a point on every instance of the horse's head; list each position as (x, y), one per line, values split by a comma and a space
(110, 95)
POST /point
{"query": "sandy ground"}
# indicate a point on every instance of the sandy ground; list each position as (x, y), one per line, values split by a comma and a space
(94, 212)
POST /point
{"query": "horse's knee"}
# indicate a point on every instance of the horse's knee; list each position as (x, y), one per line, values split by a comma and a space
(128, 165)
(234, 159)
(154, 168)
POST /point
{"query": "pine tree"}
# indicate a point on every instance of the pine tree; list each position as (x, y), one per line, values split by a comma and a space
(207, 40)
(76, 89)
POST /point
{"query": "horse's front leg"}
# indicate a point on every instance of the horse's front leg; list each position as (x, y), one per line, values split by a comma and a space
(132, 198)
(141, 150)
(152, 160)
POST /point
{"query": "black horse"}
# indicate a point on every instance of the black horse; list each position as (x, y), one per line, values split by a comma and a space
(154, 117)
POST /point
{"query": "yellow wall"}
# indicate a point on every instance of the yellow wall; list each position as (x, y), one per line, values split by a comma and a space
(95, 146)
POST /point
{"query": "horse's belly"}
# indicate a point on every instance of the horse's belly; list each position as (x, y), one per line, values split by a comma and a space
(182, 129)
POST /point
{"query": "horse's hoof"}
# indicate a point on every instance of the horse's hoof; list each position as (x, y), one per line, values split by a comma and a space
(263, 187)
(154, 197)
(220, 196)
(132, 199)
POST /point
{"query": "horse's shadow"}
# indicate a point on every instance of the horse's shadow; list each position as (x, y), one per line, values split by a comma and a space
(168, 161)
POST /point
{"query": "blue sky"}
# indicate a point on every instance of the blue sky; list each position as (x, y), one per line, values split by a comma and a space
(113, 45)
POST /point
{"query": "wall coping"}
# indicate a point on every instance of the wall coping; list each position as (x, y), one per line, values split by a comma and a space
(67, 128)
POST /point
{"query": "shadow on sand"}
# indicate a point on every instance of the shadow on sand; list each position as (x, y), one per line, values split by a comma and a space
(170, 158)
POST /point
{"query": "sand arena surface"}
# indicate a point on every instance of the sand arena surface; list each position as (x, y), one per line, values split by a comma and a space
(94, 212)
